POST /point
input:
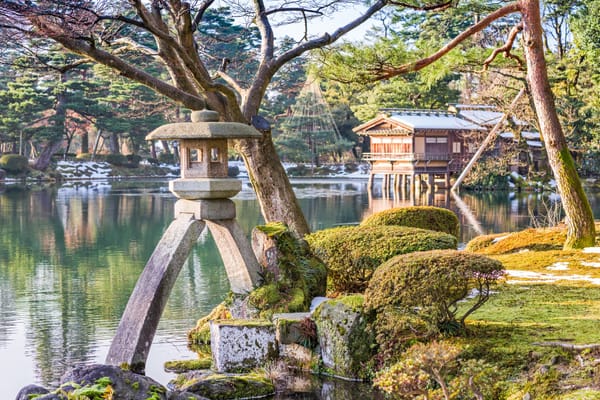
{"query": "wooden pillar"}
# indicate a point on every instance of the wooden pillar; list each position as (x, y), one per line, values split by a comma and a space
(413, 183)
(431, 182)
(370, 183)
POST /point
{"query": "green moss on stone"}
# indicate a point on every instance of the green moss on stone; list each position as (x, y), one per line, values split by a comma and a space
(179, 366)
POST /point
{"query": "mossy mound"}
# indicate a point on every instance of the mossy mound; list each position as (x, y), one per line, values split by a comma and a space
(292, 279)
(225, 386)
(424, 217)
(352, 253)
(429, 285)
(540, 239)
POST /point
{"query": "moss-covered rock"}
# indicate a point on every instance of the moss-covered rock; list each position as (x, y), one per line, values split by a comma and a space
(179, 366)
(424, 217)
(428, 286)
(345, 339)
(225, 386)
(352, 253)
(292, 274)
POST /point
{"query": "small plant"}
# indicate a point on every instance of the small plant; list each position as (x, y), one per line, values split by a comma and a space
(434, 370)
(308, 332)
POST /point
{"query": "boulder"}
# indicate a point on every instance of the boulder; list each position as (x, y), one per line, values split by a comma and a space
(345, 340)
(106, 381)
(224, 386)
(240, 345)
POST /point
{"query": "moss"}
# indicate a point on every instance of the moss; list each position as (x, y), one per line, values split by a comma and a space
(352, 253)
(219, 386)
(188, 365)
(425, 217)
(200, 334)
(530, 239)
(246, 322)
(299, 277)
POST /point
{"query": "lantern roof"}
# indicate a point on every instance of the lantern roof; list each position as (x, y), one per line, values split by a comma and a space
(205, 125)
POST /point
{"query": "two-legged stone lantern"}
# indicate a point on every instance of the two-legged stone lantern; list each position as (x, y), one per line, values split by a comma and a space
(203, 191)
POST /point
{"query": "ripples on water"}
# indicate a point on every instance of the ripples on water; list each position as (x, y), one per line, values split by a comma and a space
(70, 257)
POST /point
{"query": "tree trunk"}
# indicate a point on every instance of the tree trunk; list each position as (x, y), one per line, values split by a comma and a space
(45, 157)
(580, 220)
(85, 143)
(113, 144)
(275, 195)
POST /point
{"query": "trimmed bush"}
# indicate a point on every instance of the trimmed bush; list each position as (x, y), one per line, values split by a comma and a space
(14, 163)
(424, 217)
(352, 253)
(133, 160)
(233, 171)
(116, 159)
(429, 285)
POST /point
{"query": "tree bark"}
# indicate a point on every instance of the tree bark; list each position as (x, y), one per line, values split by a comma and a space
(274, 191)
(579, 218)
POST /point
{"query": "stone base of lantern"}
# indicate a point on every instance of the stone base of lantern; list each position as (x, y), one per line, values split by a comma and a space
(205, 188)
(206, 209)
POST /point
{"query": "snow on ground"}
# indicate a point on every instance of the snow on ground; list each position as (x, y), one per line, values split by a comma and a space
(559, 266)
(521, 277)
(591, 250)
(83, 170)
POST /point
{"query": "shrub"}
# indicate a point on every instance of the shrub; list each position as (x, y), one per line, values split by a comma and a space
(425, 217)
(352, 253)
(14, 163)
(166, 158)
(153, 161)
(430, 284)
(133, 160)
(116, 159)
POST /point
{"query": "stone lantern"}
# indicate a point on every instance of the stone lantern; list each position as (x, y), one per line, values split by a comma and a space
(203, 191)
(203, 155)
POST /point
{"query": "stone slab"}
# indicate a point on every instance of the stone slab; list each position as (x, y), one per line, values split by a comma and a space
(205, 188)
(206, 209)
(241, 345)
(288, 328)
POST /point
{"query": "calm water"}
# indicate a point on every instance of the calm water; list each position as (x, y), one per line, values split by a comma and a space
(70, 257)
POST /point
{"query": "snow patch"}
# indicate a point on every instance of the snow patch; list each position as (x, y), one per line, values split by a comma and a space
(559, 266)
(590, 264)
(592, 250)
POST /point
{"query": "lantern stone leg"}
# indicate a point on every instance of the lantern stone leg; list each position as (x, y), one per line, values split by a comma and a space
(131, 344)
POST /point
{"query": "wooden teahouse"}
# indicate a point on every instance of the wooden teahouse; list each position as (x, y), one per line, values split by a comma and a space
(411, 144)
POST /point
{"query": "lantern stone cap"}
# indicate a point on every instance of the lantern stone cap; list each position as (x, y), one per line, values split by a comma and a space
(205, 125)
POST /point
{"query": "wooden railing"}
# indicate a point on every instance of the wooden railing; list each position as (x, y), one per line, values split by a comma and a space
(406, 156)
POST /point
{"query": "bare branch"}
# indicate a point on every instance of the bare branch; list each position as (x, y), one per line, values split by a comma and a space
(422, 63)
(506, 48)
(431, 7)
(231, 82)
(200, 14)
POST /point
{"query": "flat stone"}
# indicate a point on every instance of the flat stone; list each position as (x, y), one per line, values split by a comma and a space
(206, 209)
(205, 188)
(241, 345)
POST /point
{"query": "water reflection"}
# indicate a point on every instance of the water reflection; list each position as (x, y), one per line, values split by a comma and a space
(70, 257)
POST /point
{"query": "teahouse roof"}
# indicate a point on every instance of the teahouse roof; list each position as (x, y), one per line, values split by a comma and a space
(482, 114)
(409, 121)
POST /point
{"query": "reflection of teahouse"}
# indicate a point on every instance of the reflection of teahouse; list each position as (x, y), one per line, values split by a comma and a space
(203, 154)
(409, 143)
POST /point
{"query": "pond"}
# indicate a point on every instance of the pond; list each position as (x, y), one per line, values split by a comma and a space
(70, 257)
